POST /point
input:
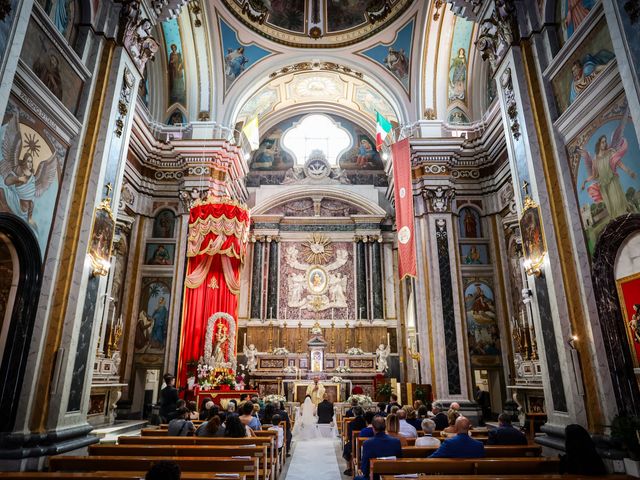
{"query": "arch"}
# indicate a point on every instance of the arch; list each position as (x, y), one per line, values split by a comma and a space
(325, 191)
(18, 342)
(623, 379)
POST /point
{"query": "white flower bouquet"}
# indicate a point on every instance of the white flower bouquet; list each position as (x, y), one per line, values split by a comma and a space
(363, 400)
(274, 398)
(355, 351)
(343, 370)
(280, 351)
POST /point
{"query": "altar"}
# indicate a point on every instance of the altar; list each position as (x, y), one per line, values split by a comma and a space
(337, 392)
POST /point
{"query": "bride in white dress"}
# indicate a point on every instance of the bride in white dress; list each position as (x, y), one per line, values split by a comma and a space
(306, 426)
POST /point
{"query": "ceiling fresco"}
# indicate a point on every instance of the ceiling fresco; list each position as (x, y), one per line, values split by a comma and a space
(317, 23)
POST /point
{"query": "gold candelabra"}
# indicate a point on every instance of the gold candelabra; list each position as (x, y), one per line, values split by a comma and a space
(333, 337)
(347, 335)
(299, 348)
(115, 332)
(270, 348)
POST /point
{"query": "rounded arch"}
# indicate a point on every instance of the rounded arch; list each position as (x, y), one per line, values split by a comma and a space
(23, 317)
(612, 324)
(324, 191)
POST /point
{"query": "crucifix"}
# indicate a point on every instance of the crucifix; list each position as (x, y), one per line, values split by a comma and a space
(108, 187)
(525, 187)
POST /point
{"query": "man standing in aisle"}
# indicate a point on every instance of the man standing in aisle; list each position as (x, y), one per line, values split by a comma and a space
(315, 391)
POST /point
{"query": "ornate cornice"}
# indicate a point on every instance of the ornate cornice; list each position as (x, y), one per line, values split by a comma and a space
(498, 33)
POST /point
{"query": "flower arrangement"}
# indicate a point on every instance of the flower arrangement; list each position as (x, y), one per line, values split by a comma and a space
(355, 351)
(280, 351)
(203, 374)
(343, 370)
(290, 369)
(224, 379)
(363, 400)
(274, 399)
(337, 379)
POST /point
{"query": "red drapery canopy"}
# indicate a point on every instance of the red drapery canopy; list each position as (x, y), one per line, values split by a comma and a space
(217, 239)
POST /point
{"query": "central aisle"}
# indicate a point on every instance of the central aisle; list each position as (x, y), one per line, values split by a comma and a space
(315, 459)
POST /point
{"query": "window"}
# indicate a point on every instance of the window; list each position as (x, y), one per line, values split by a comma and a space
(317, 132)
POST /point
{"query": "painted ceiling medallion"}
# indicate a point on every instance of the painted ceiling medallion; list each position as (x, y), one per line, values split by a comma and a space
(318, 249)
(317, 23)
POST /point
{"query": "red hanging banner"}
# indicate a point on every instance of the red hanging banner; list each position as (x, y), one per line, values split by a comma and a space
(403, 192)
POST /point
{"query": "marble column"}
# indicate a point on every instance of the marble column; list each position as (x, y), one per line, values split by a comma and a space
(361, 280)
(272, 280)
(376, 279)
(256, 281)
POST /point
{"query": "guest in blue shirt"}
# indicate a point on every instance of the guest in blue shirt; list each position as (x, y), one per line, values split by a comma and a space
(462, 445)
(381, 445)
(506, 434)
(368, 430)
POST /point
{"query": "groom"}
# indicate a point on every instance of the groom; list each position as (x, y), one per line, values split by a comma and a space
(315, 391)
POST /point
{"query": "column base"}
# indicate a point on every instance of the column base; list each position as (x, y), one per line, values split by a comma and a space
(18, 446)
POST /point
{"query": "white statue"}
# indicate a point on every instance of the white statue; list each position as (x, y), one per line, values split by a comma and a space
(382, 354)
(219, 350)
(251, 353)
(337, 287)
(296, 287)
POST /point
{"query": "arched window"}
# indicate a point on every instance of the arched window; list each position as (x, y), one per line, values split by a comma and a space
(317, 132)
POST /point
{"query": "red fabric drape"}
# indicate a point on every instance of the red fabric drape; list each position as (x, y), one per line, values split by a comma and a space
(217, 229)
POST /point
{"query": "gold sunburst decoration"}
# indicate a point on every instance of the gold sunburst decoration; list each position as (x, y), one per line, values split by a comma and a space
(318, 249)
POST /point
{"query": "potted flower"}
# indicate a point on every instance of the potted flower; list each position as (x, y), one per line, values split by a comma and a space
(384, 392)
(626, 429)
(224, 382)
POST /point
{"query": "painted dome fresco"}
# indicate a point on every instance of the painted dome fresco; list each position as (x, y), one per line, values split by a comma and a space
(317, 23)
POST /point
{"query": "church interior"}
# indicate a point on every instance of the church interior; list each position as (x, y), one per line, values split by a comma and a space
(428, 202)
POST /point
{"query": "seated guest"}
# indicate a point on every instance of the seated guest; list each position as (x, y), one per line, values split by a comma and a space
(427, 440)
(406, 429)
(506, 434)
(267, 415)
(277, 428)
(247, 416)
(349, 413)
(452, 416)
(581, 456)
(395, 409)
(393, 403)
(256, 399)
(357, 424)
(234, 428)
(284, 417)
(461, 445)
(368, 430)
(412, 417)
(325, 410)
(181, 426)
(382, 409)
(417, 404)
(232, 406)
(193, 410)
(439, 416)
(381, 445)
(393, 429)
(244, 397)
(204, 409)
(163, 470)
(168, 398)
(423, 412)
(454, 406)
(212, 427)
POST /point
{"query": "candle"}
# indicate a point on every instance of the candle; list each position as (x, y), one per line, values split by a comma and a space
(245, 338)
(270, 312)
(388, 341)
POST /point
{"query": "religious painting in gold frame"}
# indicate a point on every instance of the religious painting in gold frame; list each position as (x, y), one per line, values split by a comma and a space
(317, 280)
(629, 295)
(534, 246)
(101, 240)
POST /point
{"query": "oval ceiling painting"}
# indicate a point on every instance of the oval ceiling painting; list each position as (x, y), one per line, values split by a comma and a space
(317, 23)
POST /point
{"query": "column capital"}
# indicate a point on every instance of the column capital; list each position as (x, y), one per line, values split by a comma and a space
(438, 198)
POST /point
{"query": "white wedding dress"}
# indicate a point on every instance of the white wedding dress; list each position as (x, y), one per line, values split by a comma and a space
(306, 426)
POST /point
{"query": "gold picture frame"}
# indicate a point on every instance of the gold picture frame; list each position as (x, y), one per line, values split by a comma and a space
(101, 240)
(534, 245)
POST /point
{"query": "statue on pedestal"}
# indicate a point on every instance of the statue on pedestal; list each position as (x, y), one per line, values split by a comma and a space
(251, 353)
(382, 354)
(220, 340)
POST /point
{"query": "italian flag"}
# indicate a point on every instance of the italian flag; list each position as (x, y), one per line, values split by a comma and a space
(383, 127)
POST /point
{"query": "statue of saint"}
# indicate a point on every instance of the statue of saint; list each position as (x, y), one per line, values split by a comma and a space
(219, 350)
(382, 354)
(251, 353)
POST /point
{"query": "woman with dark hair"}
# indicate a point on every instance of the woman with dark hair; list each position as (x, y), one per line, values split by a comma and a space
(211, 428)
(247, 415)
(581, 457)
(234, 428)
(269, 412)
(193, 410)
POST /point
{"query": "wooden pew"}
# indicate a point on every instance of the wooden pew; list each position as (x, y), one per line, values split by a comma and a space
(111, 475)
(166, 440)
(490, 451)
(544, 476)
(465, 466)
(259, 452)
(142, 464)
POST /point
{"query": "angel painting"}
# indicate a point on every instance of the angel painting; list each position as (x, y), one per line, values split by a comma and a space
(602, 170)
(21, 182)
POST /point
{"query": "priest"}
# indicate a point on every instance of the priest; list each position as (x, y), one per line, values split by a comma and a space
(315, 391)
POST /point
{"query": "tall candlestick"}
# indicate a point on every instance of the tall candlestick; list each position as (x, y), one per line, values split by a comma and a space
(270, 312)
(245, 338)
(388, 339)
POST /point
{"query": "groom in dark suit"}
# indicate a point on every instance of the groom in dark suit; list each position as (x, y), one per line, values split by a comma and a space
(325, 410)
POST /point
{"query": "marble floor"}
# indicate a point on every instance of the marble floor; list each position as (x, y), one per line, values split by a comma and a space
(315, 460)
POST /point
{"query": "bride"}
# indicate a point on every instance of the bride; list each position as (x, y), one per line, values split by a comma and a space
(306, 426)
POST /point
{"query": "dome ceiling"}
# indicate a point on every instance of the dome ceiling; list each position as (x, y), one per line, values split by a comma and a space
(317, 23)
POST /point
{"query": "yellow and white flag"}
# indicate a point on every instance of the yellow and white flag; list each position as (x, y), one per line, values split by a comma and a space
(251, 130)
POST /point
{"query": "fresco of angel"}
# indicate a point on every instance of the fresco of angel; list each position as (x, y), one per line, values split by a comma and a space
(21, 183)
(603, 171)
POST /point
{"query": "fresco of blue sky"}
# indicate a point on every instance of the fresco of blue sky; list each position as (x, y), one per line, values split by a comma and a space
(238, 57)
(395, 57)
